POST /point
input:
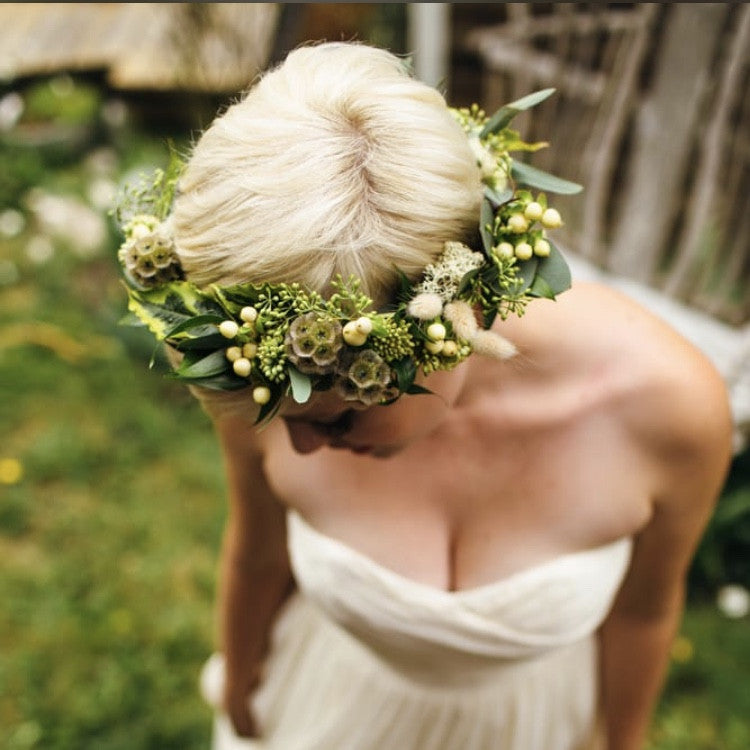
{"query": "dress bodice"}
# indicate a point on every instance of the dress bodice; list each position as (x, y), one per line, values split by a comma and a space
(526, 614)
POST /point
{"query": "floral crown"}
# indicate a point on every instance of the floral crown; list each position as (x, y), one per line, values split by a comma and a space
(284, 339)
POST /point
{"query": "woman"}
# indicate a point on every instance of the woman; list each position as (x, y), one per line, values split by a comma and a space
(497, 563)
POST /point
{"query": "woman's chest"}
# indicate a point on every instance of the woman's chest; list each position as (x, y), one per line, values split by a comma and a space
(468, 513)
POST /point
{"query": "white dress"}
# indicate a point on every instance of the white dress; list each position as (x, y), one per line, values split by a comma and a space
(363, 658)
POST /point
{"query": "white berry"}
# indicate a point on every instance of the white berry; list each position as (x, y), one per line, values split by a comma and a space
(542, 248)
(434, 347)
(228, 329)
(242, 367)
(248, 314)
(551, 218)
(523, 251)
(436, 331)
(533, 211)
(450, 349)
(517, 224)
(261, 395)
(363, 325)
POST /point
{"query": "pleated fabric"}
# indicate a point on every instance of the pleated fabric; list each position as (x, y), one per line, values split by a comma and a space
(362, 658)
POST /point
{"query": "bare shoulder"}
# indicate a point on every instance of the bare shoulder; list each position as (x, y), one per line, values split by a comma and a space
(668, 393)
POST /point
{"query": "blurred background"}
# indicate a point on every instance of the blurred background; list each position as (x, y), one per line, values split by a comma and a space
(111, 485)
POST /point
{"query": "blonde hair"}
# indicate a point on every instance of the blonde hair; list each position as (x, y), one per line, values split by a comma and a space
(336, 162)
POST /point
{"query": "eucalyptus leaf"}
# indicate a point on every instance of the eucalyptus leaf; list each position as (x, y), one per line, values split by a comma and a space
(526, 273)
(504, 116)
(538, 178)
(555, 271)
(540, 288)
(486, 218)
(212, 364)
(301, 385)
(498, 198)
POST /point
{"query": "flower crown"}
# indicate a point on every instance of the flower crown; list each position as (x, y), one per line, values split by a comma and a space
(284, 339)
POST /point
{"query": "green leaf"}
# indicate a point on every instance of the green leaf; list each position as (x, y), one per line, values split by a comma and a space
(234, 298)
(554, 271)
(207, 342)
(538, 178)
(406, 371)
(504, 116)
(301, 385)
(486, 218)
(498, 198)
(526, 273)
(166, 307)
(415, 389)
(540, 288)
(212, 364)
(201, 322)
(268, 411)
(466, 281)
(405, 290)
(225, 382)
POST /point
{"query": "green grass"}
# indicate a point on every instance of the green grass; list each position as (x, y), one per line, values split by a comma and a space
(109, 540)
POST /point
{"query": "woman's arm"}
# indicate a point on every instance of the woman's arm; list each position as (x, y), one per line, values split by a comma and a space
(689, 441)
(255, 577)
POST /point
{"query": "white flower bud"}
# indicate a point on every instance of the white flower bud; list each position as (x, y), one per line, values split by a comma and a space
(533, 211)
(434, 347)
(542, 248)
(233, 353)
(352, 335)
(450, 349)
(436, 331)
(248, 314)
(517, 223)
(505, 250)
(228, 329)
(250, 349)
(523, 251)
(363, 325)
(242, 367)
(551, 218)
(261, 395)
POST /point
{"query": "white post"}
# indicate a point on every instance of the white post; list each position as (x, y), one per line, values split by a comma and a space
(429, 41)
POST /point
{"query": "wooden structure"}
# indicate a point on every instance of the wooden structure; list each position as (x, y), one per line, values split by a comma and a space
(654, 107)
(201, 47)
(652, 115)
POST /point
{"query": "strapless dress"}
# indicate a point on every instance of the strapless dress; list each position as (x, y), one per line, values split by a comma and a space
(363, 658)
